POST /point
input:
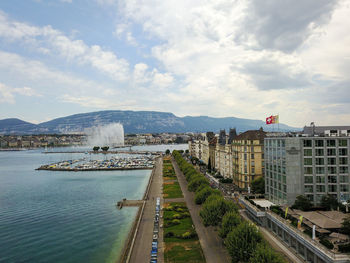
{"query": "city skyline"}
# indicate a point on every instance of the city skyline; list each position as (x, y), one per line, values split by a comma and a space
(244, 59)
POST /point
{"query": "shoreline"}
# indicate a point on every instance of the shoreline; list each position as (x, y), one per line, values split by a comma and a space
(129, 242)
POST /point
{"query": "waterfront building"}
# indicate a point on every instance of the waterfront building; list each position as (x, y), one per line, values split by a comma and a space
(314, 163)
(248, 157)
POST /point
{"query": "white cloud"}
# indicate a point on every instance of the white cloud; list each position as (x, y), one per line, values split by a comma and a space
(244, 58)
(7, 94)
(48, 40)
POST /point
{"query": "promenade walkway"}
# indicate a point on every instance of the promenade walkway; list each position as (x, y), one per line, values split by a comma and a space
(212, 246)
(143, 243)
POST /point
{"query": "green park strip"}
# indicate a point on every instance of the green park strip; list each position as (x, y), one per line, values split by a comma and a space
(172, 190)
(180, 238)
(168, 170)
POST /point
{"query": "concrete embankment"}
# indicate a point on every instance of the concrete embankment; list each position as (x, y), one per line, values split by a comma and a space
(136, 247)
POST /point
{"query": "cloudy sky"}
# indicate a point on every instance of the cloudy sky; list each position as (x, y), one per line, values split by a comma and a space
(220, 58)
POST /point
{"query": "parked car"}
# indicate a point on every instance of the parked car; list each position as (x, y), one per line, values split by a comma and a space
(155, 237)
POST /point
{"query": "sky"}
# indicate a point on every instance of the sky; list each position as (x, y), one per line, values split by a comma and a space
(222, 58)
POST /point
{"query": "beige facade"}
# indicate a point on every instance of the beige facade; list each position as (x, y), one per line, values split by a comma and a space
(248, 157)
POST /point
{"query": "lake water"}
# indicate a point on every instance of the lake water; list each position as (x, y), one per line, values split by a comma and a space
(48, 216)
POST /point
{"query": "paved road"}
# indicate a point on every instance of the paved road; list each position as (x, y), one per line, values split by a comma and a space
(213, 248)
(142, 248)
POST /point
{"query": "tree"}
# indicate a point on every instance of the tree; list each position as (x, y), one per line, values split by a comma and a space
(96, 148)
(167, 152)
(258, 185)
(105, 148)
(203, 192)
(229, 222)
(345, 226)
(265, 254)
(214, 209)
(329, 202)
(196, 182)
(242, 241)
(302, 203)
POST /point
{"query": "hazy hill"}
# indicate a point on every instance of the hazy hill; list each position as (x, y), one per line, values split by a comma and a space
(134, 122)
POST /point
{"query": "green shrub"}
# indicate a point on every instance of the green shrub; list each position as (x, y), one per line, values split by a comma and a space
(328, 244)
(265, 254)
(196, 182)
(230, 221)
(169, 234)
(175, 222)
(241, 242)
(344, 248)
(177, 216)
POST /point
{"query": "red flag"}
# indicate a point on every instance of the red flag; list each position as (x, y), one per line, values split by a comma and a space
(269, 120)
(272, 119)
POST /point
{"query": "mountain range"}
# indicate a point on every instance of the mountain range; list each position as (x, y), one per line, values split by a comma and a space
(135, 122)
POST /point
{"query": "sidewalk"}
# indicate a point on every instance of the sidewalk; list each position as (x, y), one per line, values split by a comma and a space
(143, 243)
(212, 245)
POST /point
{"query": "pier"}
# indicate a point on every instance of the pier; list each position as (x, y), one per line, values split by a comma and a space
(126, 202)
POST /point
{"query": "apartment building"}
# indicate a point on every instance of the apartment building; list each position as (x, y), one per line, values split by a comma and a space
(248, 157)
(313, 164)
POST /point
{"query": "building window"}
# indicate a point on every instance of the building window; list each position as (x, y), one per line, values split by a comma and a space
(331, 161)
(331, 152)
(344, 188)
(320, 188)
(307, 161)
(343, 170)
(343, 160)
(332, 188)
(308, 170)
(343, 143)
(343, 152)
(308, 179)
(245, 156)
(284, 179)
(307, 143)
(330, 143)
(319, 170)
(320, 179)
(309, 188)
(319, 161)
(319, 152)
(332, 179)
(344, 179)
(307, 152)
(253, 170)
(319, 143)
(284, 188)
(252, 156)
(332, 170)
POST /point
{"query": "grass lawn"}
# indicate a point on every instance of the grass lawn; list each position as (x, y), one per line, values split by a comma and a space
(168, 170)
(190, 252)
(172, 190)
(178, 249)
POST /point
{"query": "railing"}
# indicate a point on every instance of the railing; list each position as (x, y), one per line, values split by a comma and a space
(313, 243)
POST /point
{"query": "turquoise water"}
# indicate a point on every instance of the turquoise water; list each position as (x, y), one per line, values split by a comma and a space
(50, 216)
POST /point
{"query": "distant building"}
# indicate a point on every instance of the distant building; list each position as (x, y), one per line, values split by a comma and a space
(313, 164)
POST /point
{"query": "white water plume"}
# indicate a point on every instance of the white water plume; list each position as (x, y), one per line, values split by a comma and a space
(111, 135)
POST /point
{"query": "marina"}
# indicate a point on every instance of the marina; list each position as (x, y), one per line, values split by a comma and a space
(114, 163)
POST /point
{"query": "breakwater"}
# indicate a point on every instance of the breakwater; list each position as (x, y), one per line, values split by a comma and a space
(109, 152)
(115, 163)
